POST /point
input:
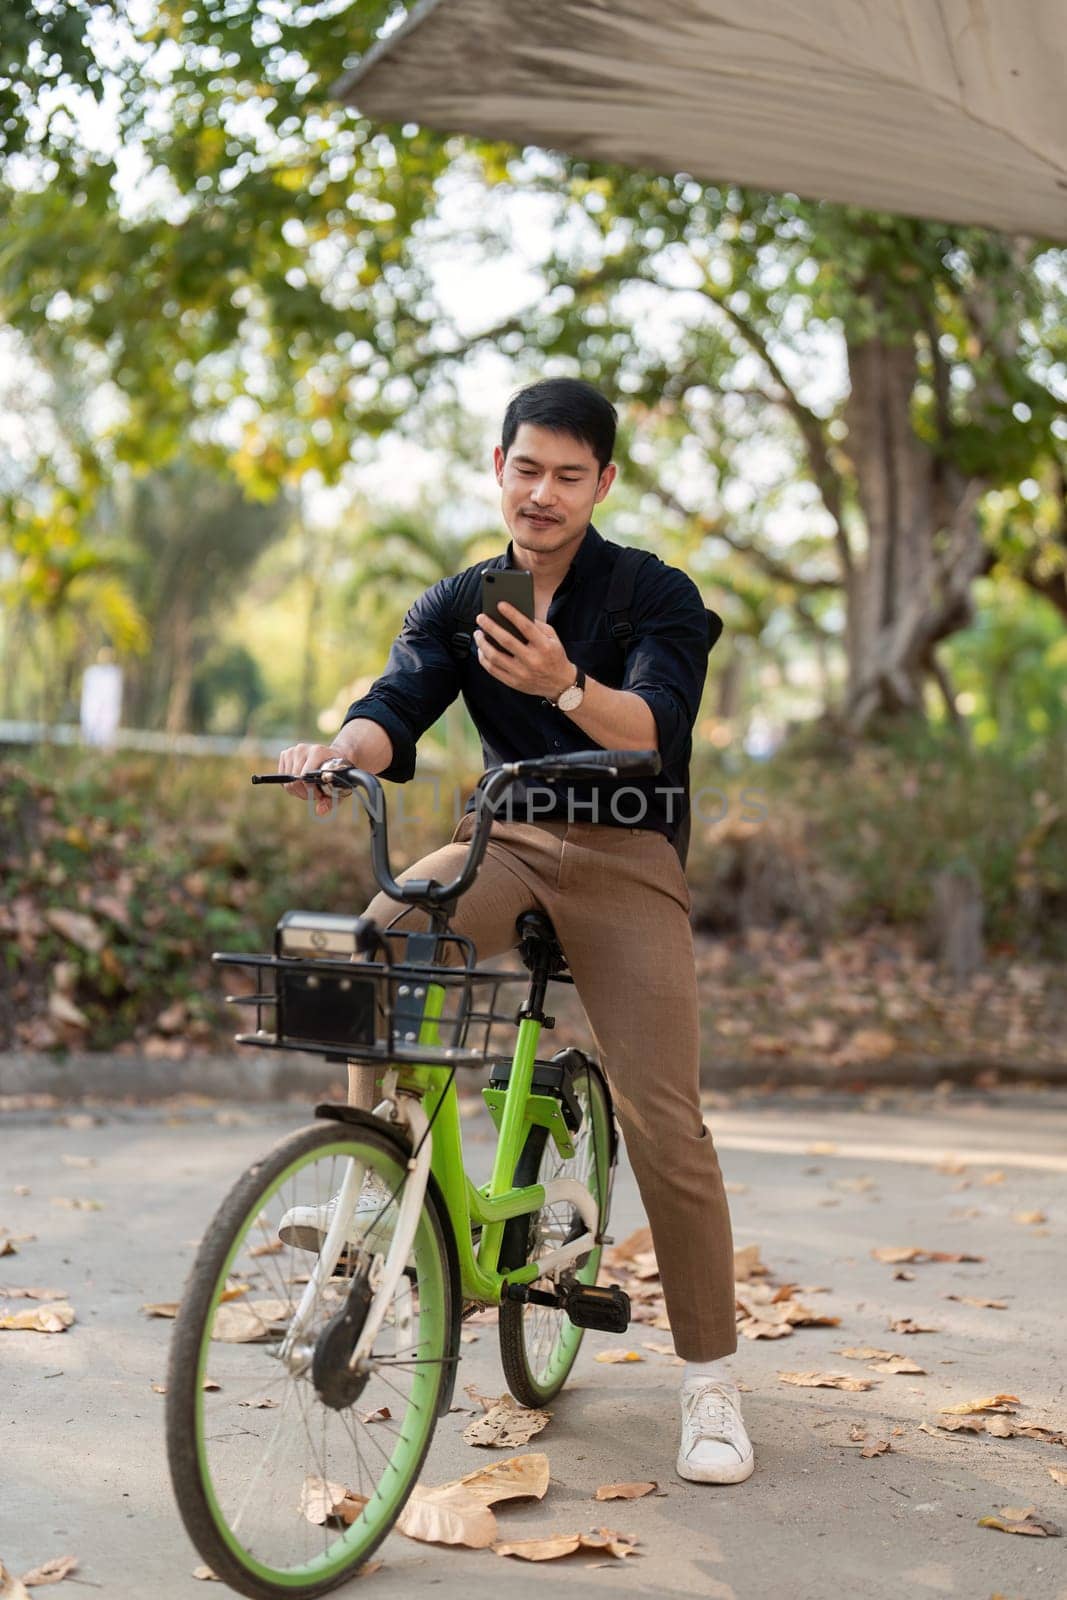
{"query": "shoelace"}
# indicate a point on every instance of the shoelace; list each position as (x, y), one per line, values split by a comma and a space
(711, 1409)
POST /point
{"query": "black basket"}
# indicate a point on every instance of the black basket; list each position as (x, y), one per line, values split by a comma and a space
(374, 1011)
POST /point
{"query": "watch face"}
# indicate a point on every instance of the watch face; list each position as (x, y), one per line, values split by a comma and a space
(571, 698)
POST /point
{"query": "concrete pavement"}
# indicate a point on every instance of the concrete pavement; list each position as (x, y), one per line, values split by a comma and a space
(817, 1182)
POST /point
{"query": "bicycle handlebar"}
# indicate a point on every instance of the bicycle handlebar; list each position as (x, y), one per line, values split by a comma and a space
(490, 789)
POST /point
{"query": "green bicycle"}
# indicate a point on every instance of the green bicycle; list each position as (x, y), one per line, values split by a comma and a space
(318, 1338)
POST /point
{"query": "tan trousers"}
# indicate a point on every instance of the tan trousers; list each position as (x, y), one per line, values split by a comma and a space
(619, 903)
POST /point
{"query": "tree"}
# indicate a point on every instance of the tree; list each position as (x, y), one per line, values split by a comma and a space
(195, 537)
(946, 391)
(282, 256)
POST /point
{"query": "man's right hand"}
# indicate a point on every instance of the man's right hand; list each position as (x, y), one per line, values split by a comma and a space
(309, 758)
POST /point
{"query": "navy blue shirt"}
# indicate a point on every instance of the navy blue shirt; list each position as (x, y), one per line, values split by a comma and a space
(665, 664)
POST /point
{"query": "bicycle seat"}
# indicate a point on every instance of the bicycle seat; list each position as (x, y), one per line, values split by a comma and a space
(538, 944)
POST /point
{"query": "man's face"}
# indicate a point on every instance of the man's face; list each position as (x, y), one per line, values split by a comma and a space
(549, 484)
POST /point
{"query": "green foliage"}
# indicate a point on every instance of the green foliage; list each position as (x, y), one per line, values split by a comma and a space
(169, 860)
(1010, 671)
(252, 277)
(854, 834)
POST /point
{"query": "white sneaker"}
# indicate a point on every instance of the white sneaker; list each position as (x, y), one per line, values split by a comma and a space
(306, 1226)
(715, 1447)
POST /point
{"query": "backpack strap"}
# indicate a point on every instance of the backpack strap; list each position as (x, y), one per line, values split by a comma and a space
(466, 604)
(618, 602)
(620, 598)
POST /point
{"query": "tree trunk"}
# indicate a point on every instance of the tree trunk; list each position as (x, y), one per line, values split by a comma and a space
(911, 587)
(181, 679)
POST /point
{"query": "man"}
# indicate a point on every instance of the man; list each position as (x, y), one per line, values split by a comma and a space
(597, 858)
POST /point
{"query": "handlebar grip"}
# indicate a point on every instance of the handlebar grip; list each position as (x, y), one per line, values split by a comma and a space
(272, 777)
(636, 763)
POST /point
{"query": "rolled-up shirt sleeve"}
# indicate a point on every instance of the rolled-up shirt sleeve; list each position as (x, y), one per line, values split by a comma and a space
(420, 681)
(668, 661)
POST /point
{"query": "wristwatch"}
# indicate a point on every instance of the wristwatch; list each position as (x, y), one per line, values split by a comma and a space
(572, 698)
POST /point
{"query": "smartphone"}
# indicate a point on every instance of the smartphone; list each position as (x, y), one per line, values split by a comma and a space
(513, 585)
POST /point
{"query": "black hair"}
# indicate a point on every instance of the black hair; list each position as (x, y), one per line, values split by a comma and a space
(564, 405)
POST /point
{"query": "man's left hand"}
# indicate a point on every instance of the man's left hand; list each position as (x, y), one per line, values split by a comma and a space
(535, 664)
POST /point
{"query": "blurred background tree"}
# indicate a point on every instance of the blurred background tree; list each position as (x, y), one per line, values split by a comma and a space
(253, 356)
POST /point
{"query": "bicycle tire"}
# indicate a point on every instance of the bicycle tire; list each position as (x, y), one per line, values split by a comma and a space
(537, 1377)
(195, 1336)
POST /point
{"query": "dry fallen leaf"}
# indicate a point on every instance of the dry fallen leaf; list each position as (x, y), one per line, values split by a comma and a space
(77, 1203)
(614, 1356)
(625, 1491)
(865, 1352)
(907, 1325)
(976, 1300)
(246, 1321)
(320, 1500)
(31, 1292)
(55, 1317)
(458, 1512)
(512, 1479)
(993, 1402)
(895, 1253)
(449, 1513)
(1002, 1427)
(382, 1414)
(636, 1243)
(12, 1588)
(565, 1544)
(857, 1433)
(505, 1425)
(161, 1308)
(959, 1425)
(659, 1348)
(447, 1518)
(1058, 1475)
(272, 1247)
(760, 1328)
(53, 1571)
(879, 1447)
(825, 1380)
(205, 1575)
(1029, 1218)
(1020, 1519)
(263, 1404)
(747, 1264)
(896, 1364)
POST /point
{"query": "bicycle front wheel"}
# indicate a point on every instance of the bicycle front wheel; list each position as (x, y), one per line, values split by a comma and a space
(288, 1467)
(539, 1344)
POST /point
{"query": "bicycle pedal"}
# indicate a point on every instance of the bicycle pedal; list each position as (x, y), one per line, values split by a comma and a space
(606, 1308)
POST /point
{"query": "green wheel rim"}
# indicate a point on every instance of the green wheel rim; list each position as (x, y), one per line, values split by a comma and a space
(398, 1476)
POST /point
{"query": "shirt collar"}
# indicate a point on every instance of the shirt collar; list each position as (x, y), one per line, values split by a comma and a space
(586, 558)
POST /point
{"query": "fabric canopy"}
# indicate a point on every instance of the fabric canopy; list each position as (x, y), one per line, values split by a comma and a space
(948, 109)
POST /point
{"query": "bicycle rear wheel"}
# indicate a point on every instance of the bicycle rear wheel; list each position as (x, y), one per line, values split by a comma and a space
(539, 1344)
(288, 1469)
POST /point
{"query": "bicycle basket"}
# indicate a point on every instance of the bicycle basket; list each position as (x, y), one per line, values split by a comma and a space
(313, 995)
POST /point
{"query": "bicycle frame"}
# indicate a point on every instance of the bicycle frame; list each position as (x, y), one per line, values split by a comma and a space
(425, 1099)
(498, 1200)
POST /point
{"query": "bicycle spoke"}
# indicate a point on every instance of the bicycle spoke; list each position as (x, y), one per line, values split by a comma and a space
(261, 1472)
